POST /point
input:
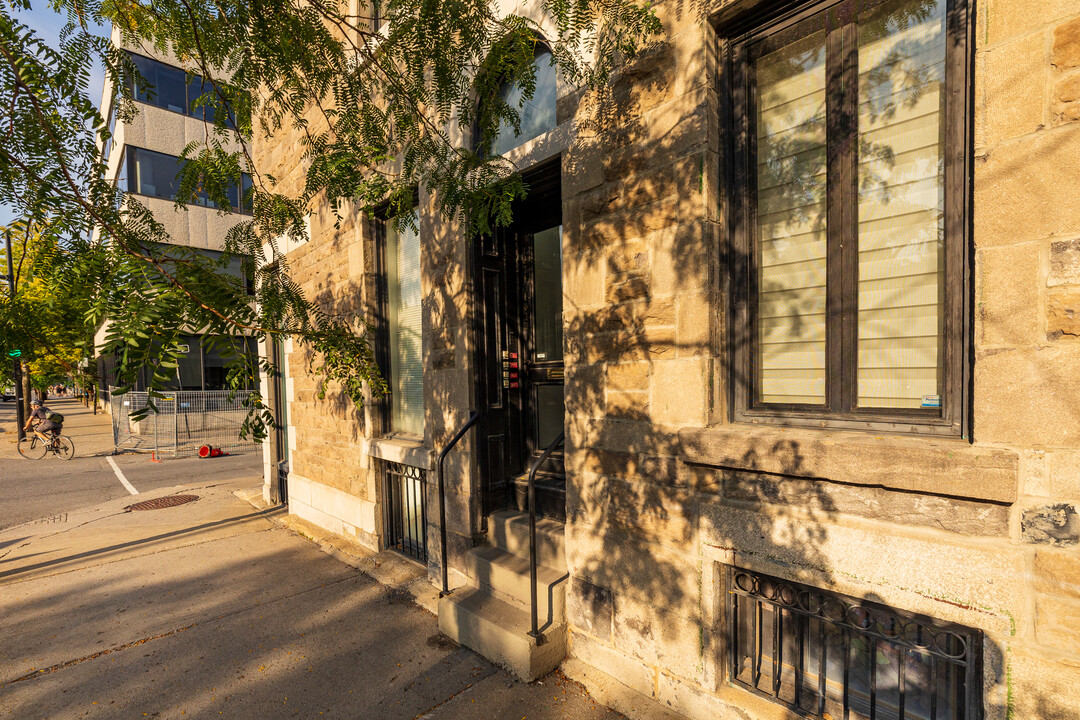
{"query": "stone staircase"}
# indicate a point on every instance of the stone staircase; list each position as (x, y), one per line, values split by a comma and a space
(491, 613)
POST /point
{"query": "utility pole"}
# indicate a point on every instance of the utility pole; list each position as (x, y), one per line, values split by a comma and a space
(15, 362)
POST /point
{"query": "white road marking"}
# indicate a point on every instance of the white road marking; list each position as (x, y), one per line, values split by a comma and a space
(120, 475)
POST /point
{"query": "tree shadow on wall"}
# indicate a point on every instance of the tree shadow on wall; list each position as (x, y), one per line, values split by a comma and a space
(651, 533)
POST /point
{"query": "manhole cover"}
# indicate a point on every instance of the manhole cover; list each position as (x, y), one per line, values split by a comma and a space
(162, 502)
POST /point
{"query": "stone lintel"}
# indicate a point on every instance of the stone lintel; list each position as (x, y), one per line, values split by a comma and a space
(937, 466)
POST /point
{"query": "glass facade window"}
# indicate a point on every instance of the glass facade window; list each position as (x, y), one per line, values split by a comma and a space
(537, 114)
(157, 175)
(173, 89)
(846, 223)
(401, 254)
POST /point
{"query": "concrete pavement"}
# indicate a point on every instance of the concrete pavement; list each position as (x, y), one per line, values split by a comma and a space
(216, 608)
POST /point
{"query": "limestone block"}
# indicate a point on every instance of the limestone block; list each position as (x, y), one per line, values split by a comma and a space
(1023, 189)
(1028, 396)
(589, 607)
(1064, 263)
(1056, 622)
(631, 466)
(650, 573)
(666, 639)
(693, 317)
(627, 376)
(951, 514)
(630, 672)
(1014, 86)
(969, 583)
(584, 390)
(630, 405)
(1067, 97)
(587, 499)
(1063, 313)
(621, 288)
(1065, 52)
(1007, 288)
(681, 259)
(654, 513)
(1042, 687)
(680, 390)
(1036, 473)
(1064, 474)
(1056, 524)
(1057, 572)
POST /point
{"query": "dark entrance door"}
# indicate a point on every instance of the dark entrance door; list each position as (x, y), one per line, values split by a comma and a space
(521, 351)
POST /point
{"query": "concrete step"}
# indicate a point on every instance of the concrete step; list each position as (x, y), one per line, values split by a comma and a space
(507, 577)
(509, 531)
(498, 631)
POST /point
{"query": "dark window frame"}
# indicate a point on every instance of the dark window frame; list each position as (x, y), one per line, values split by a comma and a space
(839, 411)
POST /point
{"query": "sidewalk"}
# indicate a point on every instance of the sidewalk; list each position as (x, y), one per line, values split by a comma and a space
(92, 434)
(215, 608)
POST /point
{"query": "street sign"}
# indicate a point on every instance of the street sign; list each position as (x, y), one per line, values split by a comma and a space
(14, 353)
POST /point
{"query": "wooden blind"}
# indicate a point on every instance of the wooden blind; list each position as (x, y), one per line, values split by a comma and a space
(791, 207)
(901, 204)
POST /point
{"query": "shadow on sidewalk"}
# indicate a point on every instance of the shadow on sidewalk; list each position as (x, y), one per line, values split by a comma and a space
(97, 552)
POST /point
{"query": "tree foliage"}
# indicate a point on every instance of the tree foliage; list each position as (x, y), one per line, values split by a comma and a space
(379, 112)
(50, 332)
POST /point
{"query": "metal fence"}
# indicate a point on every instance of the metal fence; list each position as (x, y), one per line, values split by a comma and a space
(185, 421)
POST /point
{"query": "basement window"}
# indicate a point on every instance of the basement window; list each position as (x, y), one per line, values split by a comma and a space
(826, 655)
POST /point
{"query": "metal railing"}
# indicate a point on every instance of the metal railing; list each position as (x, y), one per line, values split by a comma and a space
(535, 631)
(184, 421)
(473, 417)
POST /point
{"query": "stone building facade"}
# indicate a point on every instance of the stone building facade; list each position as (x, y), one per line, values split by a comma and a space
(698, 512)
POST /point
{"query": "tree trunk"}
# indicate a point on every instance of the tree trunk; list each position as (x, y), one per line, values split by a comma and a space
(26, 390)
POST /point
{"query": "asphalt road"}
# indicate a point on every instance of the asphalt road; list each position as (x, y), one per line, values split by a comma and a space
(32, 490)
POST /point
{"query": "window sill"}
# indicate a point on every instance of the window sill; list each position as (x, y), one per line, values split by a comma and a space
(404, 449)
(929, 465)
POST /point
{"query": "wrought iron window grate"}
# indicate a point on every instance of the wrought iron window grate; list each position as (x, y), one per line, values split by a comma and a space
(406, 510)
(829, 656)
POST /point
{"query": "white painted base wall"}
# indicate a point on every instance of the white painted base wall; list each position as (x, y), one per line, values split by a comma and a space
(334, 510)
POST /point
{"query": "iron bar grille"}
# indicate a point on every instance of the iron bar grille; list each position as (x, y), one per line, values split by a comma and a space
(406, 510)
(826, 655)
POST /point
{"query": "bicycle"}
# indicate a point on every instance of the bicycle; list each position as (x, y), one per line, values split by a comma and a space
(34, 448)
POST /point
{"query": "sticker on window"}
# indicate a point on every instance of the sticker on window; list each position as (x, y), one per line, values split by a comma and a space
(931, 401)
(541, 356)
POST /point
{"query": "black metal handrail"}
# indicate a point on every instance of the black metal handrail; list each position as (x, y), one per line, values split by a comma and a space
(442, 498)
(535, 632)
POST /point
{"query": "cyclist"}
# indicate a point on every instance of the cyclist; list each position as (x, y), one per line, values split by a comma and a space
(44, 425)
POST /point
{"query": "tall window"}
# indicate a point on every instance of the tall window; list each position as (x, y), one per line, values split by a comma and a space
(401, 265)
(850, 145)
(537, 114)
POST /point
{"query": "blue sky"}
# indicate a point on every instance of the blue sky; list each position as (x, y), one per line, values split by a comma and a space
(48, 24)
